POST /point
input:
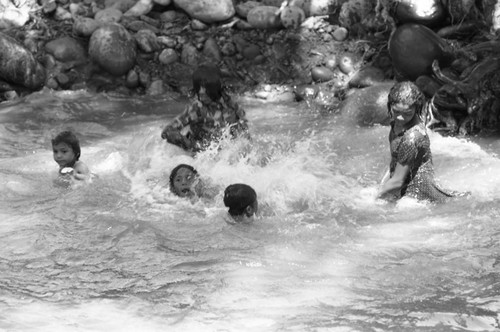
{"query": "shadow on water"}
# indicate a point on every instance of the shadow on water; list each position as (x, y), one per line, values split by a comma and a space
(322, 255)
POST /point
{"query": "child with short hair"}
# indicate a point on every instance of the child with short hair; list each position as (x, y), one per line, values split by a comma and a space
(241, 199)
(66, 148)
(212, 114)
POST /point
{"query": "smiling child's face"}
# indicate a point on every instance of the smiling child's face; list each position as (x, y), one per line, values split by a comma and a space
(183, 182)
(63, 154)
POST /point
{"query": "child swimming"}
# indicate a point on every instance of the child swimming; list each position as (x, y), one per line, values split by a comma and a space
(66, 148)
(241, 199)
(183, 180)
(186, 182)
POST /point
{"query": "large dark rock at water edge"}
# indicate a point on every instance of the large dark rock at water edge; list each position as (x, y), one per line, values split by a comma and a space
(18, 65)
(113, 48)
(413, 48)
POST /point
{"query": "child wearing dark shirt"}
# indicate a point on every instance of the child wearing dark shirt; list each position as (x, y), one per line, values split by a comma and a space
(211, 116)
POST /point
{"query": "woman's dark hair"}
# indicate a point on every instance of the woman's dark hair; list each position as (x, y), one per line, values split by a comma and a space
(69, 138)
(237, 197)
(209, 77)
(174, 171)
(408, 93)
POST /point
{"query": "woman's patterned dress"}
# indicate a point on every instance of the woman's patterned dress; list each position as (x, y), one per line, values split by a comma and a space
(412, 148)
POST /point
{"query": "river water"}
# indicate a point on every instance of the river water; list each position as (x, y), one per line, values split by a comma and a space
(123, 254)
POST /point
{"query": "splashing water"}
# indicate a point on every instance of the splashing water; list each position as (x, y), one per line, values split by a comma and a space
(124, 254)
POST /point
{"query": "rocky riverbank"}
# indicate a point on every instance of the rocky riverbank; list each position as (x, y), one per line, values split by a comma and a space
(151, 47)
(318, 50)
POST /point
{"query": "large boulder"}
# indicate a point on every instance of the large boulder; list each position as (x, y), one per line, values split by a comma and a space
(208, 11)
(18, 65)
(368, 106)
(113, 48)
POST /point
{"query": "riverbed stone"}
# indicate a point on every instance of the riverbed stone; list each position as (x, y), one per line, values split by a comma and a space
(168, 56)
(264, 17)
(368, 106)
(292, 17)
(85, 26)
(366, 76)
(242, 9)
(208, 11)
(18, 65)
(108, 15)
(113, 48)
(147, 41)
(66, 49)
(322, 74)
(121, 5)
(142, 7)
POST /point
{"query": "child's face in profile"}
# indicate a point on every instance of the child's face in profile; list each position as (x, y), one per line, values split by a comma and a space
(63, 154)
(183, 182)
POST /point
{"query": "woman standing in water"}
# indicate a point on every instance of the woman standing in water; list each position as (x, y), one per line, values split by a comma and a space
(411, 171)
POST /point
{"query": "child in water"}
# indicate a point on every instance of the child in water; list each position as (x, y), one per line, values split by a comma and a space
(241, 199)
(66, 148)
(186, 182)
(210, 116)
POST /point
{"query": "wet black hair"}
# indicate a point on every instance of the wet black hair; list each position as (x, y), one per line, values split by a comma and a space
(408, 93)
(237, 197)
(209, 77)
(69, 138)
(174, 171)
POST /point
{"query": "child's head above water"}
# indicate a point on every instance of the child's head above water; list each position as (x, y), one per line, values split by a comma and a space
(209, 78)
(241, 200)
(182, 180)
(66, 148)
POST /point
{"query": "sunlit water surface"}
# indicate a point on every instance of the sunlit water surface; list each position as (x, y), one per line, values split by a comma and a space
(123, 254)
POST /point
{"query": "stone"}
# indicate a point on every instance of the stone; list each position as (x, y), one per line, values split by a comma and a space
(13, 17)
(163, 2)
(168, 56)
(66, 49)
(366, 76)
(242, 9)
(168, 16)
(319, 7)
(142, 7)
(264, 17)
(146, 41)
(121, 5)
(340, 34)
(198, 25)
(211, 50)
(18, 65)
(84, 26)
(251, 51)
(189, 55)
(167, 41)
(62, 14)
(113, 48)
(348, 62)
(208, 11)
(132, 80)
(108, 15)
(292, 17)
(368, 106)
(322, 74)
